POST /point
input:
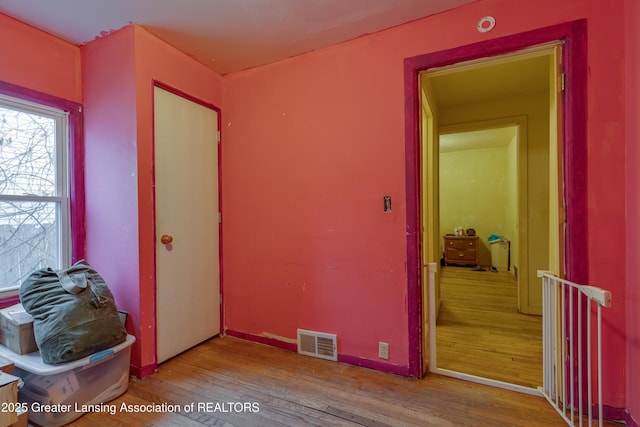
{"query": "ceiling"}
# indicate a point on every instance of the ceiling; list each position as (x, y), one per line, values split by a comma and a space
(226, 35)
(477, 139)
(494, 79)
(482, 81)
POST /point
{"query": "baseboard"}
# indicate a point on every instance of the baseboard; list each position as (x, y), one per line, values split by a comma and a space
(141, 372)
(375, 365)
(350, 360)
(262, 340)
(610, 413)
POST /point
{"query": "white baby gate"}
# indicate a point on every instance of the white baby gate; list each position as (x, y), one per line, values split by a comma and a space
(567, 360)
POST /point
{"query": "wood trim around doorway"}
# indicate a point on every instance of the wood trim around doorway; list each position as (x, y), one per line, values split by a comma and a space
(574, 148)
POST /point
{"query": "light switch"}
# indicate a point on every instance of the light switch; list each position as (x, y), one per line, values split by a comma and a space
(387, 203)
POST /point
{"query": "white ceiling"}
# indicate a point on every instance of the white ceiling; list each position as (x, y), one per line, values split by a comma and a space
(227, 35)
(483, 81)
(509, 75)
(477, 139)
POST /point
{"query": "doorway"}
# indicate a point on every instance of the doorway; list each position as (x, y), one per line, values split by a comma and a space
(493, 189)
(420, 213)
(187, 223)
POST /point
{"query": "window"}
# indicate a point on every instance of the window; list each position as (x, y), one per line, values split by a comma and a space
(35, 227)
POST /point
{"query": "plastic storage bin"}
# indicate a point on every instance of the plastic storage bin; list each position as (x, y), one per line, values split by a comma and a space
(69, 387)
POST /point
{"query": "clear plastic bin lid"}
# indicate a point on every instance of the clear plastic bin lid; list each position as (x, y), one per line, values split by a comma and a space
(33, 363)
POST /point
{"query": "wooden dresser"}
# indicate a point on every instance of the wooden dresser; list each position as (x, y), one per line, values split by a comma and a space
(461, 250)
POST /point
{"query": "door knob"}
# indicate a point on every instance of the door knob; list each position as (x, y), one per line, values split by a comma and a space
(165, 239)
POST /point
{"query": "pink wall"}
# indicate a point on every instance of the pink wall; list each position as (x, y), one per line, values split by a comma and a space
(306, 243)
(632, 137)
(158, 61)
(310, 147)
(52, 77)
(36, 60)
(606, 183)
(314, 142)
(119, 71)
(111, 170)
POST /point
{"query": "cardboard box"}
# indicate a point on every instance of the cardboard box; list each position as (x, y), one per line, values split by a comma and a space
(8, 399)
(16, 330)
(22, 419)
(6, 365)
(58, 387)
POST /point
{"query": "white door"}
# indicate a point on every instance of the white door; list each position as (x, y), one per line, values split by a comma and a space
(187, 233)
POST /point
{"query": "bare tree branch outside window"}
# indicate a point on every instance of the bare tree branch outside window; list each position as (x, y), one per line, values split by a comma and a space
(28, 220)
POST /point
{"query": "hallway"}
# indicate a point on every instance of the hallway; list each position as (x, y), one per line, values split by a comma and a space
(480, 332)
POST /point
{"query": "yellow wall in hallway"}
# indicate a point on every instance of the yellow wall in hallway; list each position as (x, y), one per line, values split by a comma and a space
(535, 106)
(474, 193)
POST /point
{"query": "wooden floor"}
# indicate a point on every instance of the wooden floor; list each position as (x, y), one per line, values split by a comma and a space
(481, 332)
(293, 390)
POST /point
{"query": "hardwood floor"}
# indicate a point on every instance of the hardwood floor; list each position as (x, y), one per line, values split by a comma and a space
(481, 332)
(293, 390)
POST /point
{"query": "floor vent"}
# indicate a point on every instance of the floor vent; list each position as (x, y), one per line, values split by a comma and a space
(317, 344)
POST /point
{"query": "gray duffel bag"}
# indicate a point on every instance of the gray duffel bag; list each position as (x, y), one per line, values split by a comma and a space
(74, 312)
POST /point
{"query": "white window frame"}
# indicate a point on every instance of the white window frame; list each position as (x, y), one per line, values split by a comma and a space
(62, 187)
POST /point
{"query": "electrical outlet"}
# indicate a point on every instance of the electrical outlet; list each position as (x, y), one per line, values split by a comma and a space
(383, 350)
